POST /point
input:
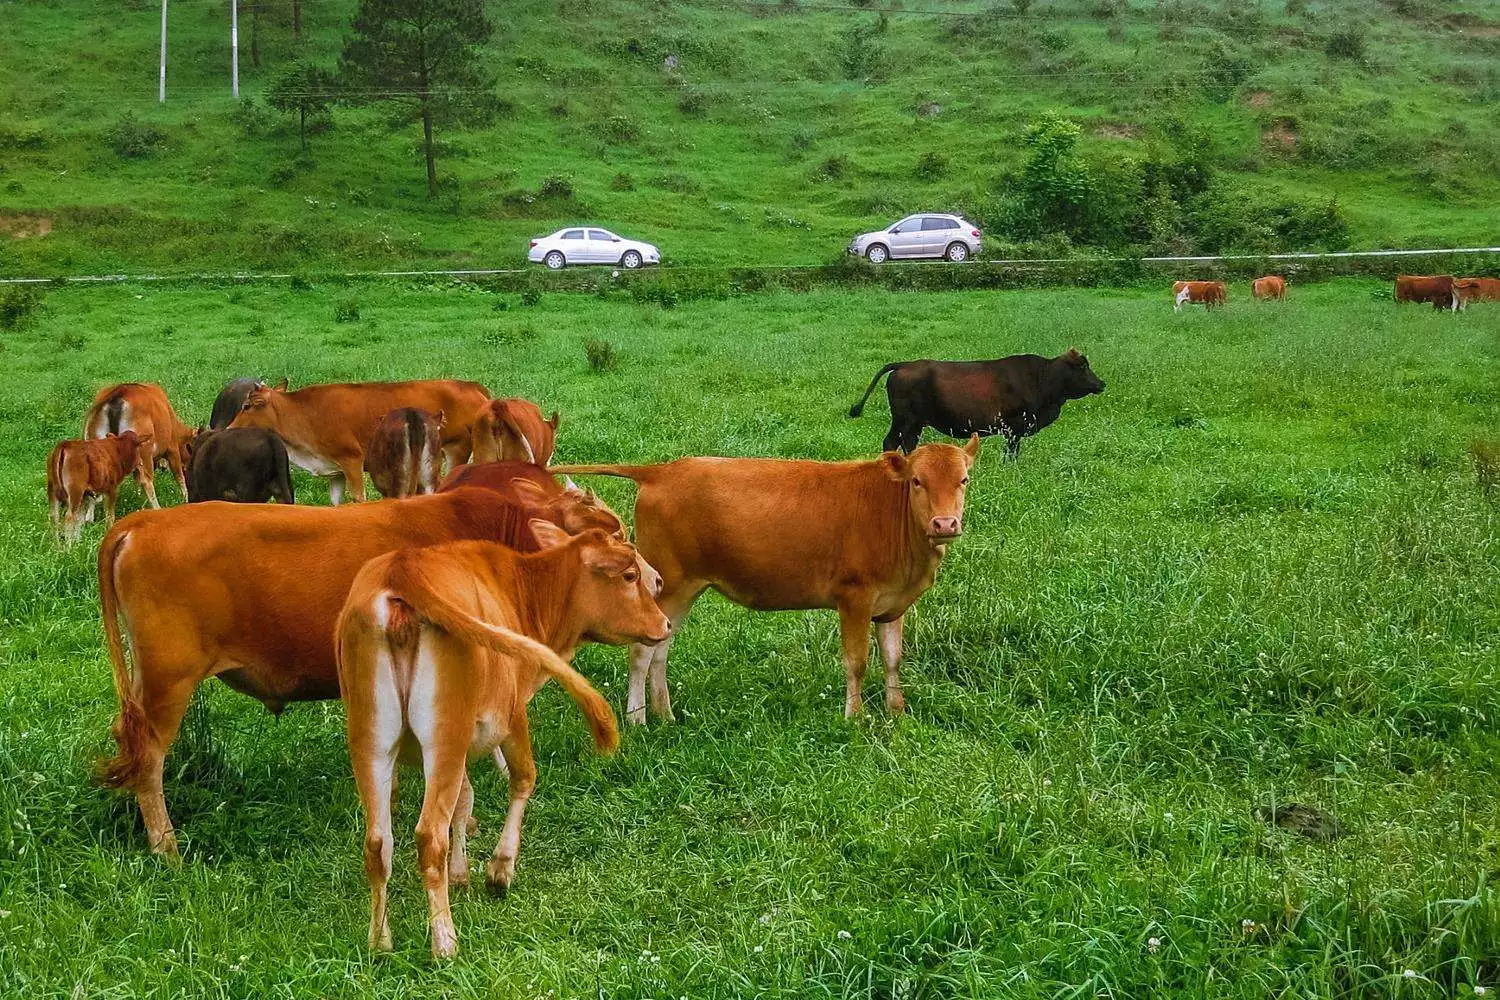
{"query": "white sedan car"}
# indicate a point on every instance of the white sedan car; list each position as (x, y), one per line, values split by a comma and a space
(584, 245)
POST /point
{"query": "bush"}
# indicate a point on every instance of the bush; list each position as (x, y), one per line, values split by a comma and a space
(859, 54)
(834, 168)
(622, 182)
(531, 295)
(618, 129)
(693, 102)
(132, 138)
(556, 187)
(250, 118)
(1346, 44)
(346, 311)
(601, 354)
(19, 305)
(932, 166)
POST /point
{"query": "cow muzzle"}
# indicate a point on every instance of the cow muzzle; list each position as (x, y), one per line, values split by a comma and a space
(945, 527)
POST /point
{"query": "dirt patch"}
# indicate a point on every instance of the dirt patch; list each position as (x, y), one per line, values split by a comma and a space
(1472, 26)
(1118, 130)
(1259, 100)
(1281, 136)
(20, 227)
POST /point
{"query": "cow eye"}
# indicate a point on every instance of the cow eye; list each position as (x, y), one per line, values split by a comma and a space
(631, 576)
(916, 482)
(964, 481)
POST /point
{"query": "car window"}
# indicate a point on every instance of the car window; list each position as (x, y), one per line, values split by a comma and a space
(599, 234)
(908, 225)
(930, 224)
(573, 234)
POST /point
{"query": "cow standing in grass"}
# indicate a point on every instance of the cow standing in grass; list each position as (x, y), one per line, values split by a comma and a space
(80, 472)
(404, 455)
(1210, 294)
(1437, 289)
(145, 409)
(1271, 288)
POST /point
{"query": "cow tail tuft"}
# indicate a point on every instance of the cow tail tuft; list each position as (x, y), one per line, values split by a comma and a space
(859, 407)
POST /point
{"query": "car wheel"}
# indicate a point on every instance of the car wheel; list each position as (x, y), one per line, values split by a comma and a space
(631, 260)
(957, 252)
(554, 260)
(877, 254)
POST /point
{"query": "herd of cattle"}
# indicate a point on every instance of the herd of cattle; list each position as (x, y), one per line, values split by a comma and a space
(1444, 291)
(437, 613)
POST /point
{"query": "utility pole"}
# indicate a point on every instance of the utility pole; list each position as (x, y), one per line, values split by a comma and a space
(161, 94)
(234, 42)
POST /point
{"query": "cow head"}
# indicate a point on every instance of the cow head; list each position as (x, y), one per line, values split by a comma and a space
(1078, 379)
(615, 596)
(259, 408)
(574, 510)
(936, 476)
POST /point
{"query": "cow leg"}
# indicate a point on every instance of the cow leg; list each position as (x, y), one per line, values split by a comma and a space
(458, 834)
(373, 749)
(336, 489)
(174, 462)
(109, 506)
(854, 630)
(444, 764)
(145, 474)
(354, 478)
(892, 437)
(651, 661)
(522, 766)
(55, 513)
(889, 634)
(164, 708)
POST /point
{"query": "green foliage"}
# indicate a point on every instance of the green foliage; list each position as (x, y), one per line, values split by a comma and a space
(304, 90)
(601, 354)
(19, 305)
(132, 138)
(1055, 184)
(556, 187)
(860, 52)
(621, 182)
(1346, 43)
(346, 311)
(932, 166)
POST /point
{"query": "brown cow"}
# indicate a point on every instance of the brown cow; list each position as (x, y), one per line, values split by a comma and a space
(862, 538)
(1476, 290)
(1209, 293)
(84, 471)
(144, 408)
(1271, 288)
(405, 454)
(513, 430)
(325, 426)
(439, 651)
(1437, 289)
(250, 594)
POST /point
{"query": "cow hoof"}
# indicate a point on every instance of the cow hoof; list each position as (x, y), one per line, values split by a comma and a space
(444, 944)
(382, 942)
(166, 847)
(497, 888)
(471, 826)
(895, 705)
(636, 717)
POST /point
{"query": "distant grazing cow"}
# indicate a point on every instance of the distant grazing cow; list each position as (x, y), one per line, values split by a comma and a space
(514, 430)
(439, 651)
(326, 427)
(1476, 290)
(862, 538)
(1015, 396)
(143, 408)
(405, 454)
(230, 401)
(240, 464)
(80, 472)
(1209, 293)
(1437, 289)
(1271, 288)
(249, 593)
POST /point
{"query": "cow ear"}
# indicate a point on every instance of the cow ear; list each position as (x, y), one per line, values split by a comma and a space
(1073, 356)
(556, 420)
(442, 419)
(548, 535)
(896, 465)
(972, 448)
(280, 386)
(528, 491)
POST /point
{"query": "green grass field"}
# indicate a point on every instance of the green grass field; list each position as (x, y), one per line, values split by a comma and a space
(1260, 566)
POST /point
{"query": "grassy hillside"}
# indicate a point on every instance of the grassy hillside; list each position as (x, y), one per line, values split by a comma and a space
(784, 128)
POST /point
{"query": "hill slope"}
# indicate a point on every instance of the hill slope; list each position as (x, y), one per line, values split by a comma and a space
(783, 128)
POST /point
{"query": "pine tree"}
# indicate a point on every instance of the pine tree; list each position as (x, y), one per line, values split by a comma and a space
(303, 89)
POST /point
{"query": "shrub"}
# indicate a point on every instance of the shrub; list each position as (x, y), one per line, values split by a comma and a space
(859, 54)
(556, 187)
(834, 168)
(693, 102)
(1296, 8)
(250, 118)
(71, 340)
(601, 355)
(1486, 455)
(622, 182)
(617, 129)
(19, 305)
(531, 295)
(132, 138)
(346, 311)
(931, 166)
(1021, 7)
(1346, 44)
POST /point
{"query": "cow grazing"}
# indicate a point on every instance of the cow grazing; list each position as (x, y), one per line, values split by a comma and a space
(250, 593)
(145, 409)
(80, 472)
(862, 538)
(1015, 396)
(239, 464)
(1476, 290)
(439, 651)
(405, 453)
(1437, 289)
(1209, 293)
(514, 430)
(230, 401)
(1271, 288)
(326, 427)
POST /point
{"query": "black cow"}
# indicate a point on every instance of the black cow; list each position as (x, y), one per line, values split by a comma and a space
(1015, 396)
(244, 464)
(230, 401)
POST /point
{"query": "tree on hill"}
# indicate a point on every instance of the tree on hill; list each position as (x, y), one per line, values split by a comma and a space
(301, 89)
(423, 54)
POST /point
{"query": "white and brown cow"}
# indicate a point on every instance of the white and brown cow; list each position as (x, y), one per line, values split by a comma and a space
(144, 408)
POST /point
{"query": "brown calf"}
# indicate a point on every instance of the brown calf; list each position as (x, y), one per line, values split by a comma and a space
(1437, 289)
(80, 472)
(1209, 293)
(145, 409)
(405, 454)
(250, 593)
(325, 426)
(1271, 288)
(862, 538)
(439, 652)
(513, 430)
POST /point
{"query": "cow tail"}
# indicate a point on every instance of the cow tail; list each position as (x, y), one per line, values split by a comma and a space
(412, 586)
(859, 407)
(131, 729)
(508, 419)
(114, 410)
(285, 492)
(639, 473)
(416, 444)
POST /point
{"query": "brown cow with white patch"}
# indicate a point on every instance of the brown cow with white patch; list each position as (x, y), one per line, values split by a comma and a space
(326, 427)
(1437, 289)
(862, 538)
(144, 408)
(80, 472)
(1208, 293)
(440, 650)
(1271, 288)
(405, 454)
(1476, 290)
(250, 593)
(513, 430)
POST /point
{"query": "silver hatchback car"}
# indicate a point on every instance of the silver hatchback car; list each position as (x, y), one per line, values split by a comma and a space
(948, 237)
